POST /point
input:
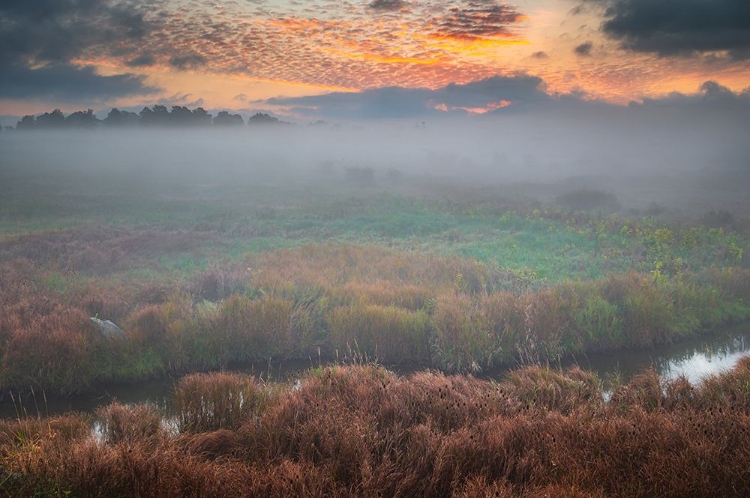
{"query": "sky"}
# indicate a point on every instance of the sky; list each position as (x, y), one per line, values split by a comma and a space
(369, 59)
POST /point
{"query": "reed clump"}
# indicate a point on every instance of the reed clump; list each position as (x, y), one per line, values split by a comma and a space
(386, 333)
(120, 424)
(209, 402)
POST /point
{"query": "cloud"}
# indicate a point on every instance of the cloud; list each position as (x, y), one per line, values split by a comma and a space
(478, 97)
(519, 94)
(41, 41)
(479, 19)
(387, 4)
(188, 61)
(63, 81)
(540, 55)
(56, 31)
(710, 96)
(679, 27)
(143, 60)
(584, 49)
(337, 45)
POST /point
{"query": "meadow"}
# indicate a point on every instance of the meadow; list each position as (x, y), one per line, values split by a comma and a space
(209, 264)
(207, 269)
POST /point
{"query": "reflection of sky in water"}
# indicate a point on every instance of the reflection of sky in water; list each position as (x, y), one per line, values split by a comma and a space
(700, 366)
(700, 362)
(694, 357)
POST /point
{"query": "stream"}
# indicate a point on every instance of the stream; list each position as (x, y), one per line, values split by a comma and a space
(695, 358)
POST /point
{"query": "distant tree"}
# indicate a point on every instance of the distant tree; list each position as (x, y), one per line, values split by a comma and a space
(117, 117)
(147, 116)
(156, 116)
(27, 122)
(180, 116)
(261, 118)
(226, 119)
(54, 119)
(201, 117)
(83, 119)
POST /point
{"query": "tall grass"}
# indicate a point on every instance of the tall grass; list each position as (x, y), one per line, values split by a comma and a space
(219, 401)
(384, 333)
(363, 430)
(361, 300)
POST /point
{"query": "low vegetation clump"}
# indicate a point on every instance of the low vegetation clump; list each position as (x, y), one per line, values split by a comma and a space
(363, 430)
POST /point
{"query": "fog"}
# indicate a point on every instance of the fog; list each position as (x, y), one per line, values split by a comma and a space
(687, 162)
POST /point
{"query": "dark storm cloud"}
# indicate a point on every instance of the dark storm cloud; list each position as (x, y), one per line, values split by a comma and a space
(711, 95)
(57, 30)
(387, 4)
(504, 95)
(479, 19)
(41, 38)
(521, 91)
(679, 27)
(66, 82)
(584, 49)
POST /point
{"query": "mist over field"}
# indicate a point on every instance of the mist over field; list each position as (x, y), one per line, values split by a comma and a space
(686, 161)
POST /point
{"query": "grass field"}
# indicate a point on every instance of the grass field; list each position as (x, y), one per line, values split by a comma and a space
(204, 268)
(208, 263)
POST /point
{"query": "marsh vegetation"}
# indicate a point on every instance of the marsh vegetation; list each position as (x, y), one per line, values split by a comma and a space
(362, 430)
(209, 263)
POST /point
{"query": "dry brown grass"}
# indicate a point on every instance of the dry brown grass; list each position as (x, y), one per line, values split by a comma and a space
(362, 430)
(216, 401)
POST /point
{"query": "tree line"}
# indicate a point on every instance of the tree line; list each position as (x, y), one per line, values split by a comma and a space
(158, 115)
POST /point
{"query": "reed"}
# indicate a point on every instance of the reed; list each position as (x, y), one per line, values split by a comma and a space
(120, 424)
(383, 333)
(363, 430)
(53, 352)
(220, 401)
(462, 340)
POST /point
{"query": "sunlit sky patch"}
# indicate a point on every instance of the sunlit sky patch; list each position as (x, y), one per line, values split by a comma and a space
(238, 54)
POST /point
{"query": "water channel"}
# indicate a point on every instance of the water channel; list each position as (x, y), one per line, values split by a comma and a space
(695, 358)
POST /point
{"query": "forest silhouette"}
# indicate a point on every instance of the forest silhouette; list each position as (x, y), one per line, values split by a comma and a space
(157, 115)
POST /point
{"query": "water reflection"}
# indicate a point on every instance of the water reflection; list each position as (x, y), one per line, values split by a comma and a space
(697, 364)
(694, 358)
